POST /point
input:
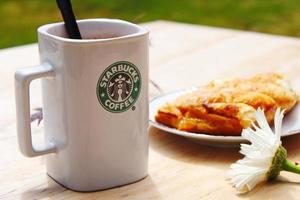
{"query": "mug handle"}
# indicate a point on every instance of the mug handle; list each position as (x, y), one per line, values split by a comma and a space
(23, 78)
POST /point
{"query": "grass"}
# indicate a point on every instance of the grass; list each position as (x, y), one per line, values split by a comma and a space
(20, 19)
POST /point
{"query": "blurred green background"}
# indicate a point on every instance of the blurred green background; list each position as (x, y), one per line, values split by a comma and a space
(20, 18)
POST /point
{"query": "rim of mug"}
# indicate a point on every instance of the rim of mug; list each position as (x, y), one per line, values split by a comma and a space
(44, 31)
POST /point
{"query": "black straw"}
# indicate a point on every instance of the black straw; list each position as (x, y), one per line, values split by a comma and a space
(67, 13)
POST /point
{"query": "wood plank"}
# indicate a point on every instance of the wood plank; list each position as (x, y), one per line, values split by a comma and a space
(182, 56)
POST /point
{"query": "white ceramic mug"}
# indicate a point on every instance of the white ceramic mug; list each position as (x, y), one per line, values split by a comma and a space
(95, 104)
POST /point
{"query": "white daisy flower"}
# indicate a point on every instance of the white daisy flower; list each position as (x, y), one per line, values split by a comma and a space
(264, 158)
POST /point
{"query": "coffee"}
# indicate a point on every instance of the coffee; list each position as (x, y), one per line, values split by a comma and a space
(100, 36)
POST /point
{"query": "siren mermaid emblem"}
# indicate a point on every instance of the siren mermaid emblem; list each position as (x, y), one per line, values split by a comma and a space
(120, 87)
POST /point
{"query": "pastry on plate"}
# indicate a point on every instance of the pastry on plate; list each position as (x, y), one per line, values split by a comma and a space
(226, 107)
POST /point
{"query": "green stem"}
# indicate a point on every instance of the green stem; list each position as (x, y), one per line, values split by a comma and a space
(290, 167)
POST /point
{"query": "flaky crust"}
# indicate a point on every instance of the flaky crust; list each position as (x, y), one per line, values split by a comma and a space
(226, 107)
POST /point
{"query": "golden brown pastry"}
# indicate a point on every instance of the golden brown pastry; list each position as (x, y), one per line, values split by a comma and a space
(226, 107)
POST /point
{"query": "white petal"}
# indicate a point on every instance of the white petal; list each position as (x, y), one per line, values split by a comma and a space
(277, 122)
(243, 176)
(259, 177)
(262, 121)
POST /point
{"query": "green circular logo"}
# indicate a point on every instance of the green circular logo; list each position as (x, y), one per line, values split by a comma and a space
(119, 86)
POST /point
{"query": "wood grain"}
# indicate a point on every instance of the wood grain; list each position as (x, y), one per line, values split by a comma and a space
(182, 56)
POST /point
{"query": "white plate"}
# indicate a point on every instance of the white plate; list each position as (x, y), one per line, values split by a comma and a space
(291, 124)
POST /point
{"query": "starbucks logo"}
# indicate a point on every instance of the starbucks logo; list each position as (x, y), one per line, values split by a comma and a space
(119, 86)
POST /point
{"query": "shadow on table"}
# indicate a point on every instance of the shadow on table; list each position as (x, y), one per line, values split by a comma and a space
(47, 190)
(180, 148)
(282, 188)
(142, 189)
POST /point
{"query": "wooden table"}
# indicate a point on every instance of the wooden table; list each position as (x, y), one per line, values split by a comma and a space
(181, 56)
